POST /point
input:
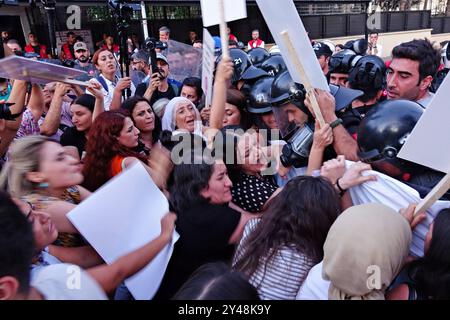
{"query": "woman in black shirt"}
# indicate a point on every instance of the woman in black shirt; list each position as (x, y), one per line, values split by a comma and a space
(208, 227)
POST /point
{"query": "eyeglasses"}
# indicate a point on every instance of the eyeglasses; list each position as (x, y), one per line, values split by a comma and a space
(30, 211)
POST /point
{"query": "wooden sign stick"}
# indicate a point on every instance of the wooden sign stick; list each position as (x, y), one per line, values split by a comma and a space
(223, 30)
(438, 191)
(306, 82)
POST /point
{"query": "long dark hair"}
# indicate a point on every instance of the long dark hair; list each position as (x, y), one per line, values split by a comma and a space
(299, 217)
(432, 272)
(102, 146)
(189, 179)
(131, 103)
(217, 281)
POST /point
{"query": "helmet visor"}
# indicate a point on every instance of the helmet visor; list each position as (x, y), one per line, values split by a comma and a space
(287, 119)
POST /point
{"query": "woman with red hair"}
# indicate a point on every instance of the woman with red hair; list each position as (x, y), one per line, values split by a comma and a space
(110, 150)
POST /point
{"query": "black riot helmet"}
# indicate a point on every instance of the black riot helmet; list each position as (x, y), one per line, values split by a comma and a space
(343, 61)
(358, 46)
(243, 68)
(274, 65)
(259, 96)
(258, 55)
(384, 130)
(368, 75)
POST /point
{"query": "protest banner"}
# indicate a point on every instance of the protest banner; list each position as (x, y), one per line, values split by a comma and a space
(184, 60)
(219, 12)
(115, 223)
(40, 72)
(207, 66)
(426, 143)
(286, 26)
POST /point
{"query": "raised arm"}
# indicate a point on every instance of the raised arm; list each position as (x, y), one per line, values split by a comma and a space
(117, 94)
(53, 118)
(96, 90)
(110, 276)
(223, 74)
(19, 90)
(343, 143)
(322, 138)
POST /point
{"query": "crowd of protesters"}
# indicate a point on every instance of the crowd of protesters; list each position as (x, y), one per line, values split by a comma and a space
(275, 221)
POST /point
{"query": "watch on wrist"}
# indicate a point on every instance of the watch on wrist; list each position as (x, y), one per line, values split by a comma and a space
(336, 123)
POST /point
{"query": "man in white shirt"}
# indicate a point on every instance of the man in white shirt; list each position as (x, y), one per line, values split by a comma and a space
(256, 41)
(411, 71)
(373, 47)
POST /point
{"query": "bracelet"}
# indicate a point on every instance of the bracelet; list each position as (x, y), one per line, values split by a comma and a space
(341, 191)
(336, 123)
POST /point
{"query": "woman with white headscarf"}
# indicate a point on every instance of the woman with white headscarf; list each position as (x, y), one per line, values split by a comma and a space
(181, 115)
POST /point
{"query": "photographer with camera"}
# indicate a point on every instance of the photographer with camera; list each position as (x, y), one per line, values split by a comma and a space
(158, 86)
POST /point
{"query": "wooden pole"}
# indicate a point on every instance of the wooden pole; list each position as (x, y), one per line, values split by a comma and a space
(306, 82)
(438, 191)
(223, 30)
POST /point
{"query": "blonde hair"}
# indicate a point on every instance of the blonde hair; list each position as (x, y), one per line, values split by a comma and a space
(24, 157)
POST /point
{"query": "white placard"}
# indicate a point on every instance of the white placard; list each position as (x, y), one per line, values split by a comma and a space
(281, 16)
(234, 10)
(122, 216)
(428, 143)
(208, 66)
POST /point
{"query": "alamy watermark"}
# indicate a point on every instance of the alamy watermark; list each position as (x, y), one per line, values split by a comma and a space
(235, 147)
(373, 282)
(73, 22)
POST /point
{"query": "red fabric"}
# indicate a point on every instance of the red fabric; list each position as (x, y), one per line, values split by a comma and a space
(255, 43)
(67, 52)
(116, 165)
(232, 37)
(115, 48)
(42, 50)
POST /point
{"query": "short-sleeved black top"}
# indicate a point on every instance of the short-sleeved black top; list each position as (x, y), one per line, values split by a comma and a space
(205, 231)
(73, 137)
(251, 192)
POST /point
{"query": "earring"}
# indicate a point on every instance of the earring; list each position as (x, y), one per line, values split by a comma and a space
(43, 185)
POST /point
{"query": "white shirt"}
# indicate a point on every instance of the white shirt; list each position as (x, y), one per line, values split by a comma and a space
(108, 95)
(379, 49)
(396, 195)
(314, 287)
(425, 101)
(65, 281)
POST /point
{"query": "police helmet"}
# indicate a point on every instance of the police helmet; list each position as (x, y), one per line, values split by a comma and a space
(258, 55)
(274, 65)
(343, 61)
(243, 68)
(384, 130)
(259, 96)
(368, 74)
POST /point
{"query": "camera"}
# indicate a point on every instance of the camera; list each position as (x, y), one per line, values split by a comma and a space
(151, 44)
(296, 151)
(5, 112)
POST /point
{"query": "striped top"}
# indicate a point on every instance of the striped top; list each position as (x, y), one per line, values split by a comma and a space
(284, 273)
